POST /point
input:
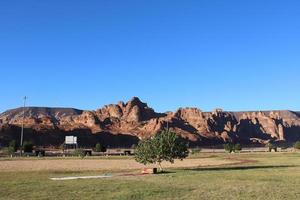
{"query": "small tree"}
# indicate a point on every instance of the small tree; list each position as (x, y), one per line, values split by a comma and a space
(98, 147)
(28, 147)
(237, 147)
(164, 146)
(229, 147)
(271, 147)
(13, 147)
(297, 145)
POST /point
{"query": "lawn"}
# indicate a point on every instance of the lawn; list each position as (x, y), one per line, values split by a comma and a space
(257, 176)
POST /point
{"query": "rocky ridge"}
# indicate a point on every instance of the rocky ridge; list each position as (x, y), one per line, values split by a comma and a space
(135, 120)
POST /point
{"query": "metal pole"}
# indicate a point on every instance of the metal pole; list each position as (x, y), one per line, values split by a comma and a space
(22, 130)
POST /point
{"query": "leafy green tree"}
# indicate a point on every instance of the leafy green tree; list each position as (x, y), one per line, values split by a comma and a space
(164, 146)
(297, 145)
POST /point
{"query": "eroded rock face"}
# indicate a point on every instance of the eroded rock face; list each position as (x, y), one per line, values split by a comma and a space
(136, 119)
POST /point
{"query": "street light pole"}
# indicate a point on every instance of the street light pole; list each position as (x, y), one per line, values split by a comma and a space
(22, 129)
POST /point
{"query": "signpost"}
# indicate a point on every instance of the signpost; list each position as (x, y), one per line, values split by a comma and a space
(71, 140)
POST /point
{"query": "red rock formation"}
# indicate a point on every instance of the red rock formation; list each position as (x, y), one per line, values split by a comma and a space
(136, 119)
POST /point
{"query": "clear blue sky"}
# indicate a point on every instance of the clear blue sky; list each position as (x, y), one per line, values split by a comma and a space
(232, 54)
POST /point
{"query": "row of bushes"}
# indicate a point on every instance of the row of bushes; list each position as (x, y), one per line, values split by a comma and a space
(229, 147)
(13, 147)
(273, 147)
(28, 147)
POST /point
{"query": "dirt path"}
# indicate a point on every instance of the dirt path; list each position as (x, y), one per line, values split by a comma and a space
(99, 164)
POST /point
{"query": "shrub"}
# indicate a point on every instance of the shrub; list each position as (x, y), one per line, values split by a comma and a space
(229, 147)
(13, 147)
(79, 152)
(41, 154)
(271, 147)
(196, 150)
(98, 147)
(284, 146)
(297, 145)
(62, 146)
(237, 147)
(28, 147)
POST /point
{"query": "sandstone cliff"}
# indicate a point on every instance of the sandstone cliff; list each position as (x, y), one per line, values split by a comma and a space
(124, 123)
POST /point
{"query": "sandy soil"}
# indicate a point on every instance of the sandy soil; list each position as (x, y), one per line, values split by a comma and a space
(98, 164)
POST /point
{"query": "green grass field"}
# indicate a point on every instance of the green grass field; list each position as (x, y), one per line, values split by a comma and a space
(268, 176)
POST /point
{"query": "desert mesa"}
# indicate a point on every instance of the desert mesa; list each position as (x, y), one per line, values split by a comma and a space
(124, 124)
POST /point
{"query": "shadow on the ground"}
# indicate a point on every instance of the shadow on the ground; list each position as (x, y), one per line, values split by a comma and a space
(241, 167)
(165, 172)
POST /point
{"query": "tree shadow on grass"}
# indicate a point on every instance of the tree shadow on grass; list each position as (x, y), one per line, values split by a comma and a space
(165, 172)
(232, 168)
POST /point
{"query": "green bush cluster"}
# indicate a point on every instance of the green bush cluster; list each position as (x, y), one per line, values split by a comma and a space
(238, 147)
(297, 145)
(229, 147)
(28, 147)
(271, 147)
(196, 150)
(12, 147)
(100, 148)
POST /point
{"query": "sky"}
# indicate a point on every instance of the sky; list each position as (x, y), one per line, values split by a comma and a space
(229, 54)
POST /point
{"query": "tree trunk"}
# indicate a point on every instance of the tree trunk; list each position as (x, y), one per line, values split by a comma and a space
(160, 167)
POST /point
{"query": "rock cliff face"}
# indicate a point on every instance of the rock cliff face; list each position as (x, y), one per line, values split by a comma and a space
(123, 124)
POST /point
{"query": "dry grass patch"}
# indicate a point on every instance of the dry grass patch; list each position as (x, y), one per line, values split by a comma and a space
(100, 165)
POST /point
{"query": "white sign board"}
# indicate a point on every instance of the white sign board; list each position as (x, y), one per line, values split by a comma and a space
(70, 140)
(75, 140)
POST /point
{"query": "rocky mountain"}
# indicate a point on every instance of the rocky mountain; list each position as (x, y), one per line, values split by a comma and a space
(123, 124)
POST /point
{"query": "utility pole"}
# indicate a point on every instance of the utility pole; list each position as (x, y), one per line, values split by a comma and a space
(22, 130)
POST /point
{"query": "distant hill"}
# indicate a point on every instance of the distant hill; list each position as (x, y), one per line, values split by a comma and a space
(123, 124)
(38, 112)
